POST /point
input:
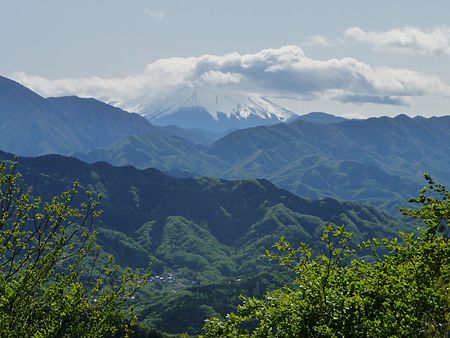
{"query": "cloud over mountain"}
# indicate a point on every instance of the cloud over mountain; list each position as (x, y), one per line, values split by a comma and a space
(435, 40)
(284, 71)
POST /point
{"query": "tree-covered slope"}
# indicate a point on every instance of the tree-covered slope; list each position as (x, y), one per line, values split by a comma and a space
(378, 161)
(400, 145)
(158, 150)
(206, 234)
(206, 225)
(317, 175)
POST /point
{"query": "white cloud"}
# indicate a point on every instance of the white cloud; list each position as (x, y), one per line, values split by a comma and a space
(284, 71)
(156, 14)
(109, 90)
(318, 41)
(434, 40)
(218, 78)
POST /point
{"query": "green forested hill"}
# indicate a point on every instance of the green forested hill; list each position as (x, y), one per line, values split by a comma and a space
(232, 214)
(158, 150)
(316, 175)
(202, 230)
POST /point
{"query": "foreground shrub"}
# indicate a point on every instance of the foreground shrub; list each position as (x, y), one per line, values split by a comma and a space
(403, 290)
(52, 283)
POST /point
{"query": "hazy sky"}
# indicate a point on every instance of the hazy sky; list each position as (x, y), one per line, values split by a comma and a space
(353, 58)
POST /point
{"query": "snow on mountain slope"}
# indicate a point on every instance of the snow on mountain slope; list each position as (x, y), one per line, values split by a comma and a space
(231, 109)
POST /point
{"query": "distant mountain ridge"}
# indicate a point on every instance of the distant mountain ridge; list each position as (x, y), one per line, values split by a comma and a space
(33, 125)
(319, 117)
(402, 146)
(352, 159)
(157, 150)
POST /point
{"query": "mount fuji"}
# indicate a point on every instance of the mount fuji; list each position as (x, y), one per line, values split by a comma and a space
(209, 109)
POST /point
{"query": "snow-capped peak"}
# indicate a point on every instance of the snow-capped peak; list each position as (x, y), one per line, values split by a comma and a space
(230, 103)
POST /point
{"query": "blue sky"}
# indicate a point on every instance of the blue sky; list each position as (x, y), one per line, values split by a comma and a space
(353, 58)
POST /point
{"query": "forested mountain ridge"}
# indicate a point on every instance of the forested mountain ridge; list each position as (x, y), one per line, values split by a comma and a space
(353, 159)
(330, 159)
(393, 143)
(161, 151)
(147, 212)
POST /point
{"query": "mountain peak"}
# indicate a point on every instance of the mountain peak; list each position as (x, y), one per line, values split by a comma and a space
(10, 89)
(33, 125)
(209, 108)
(320, 117)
